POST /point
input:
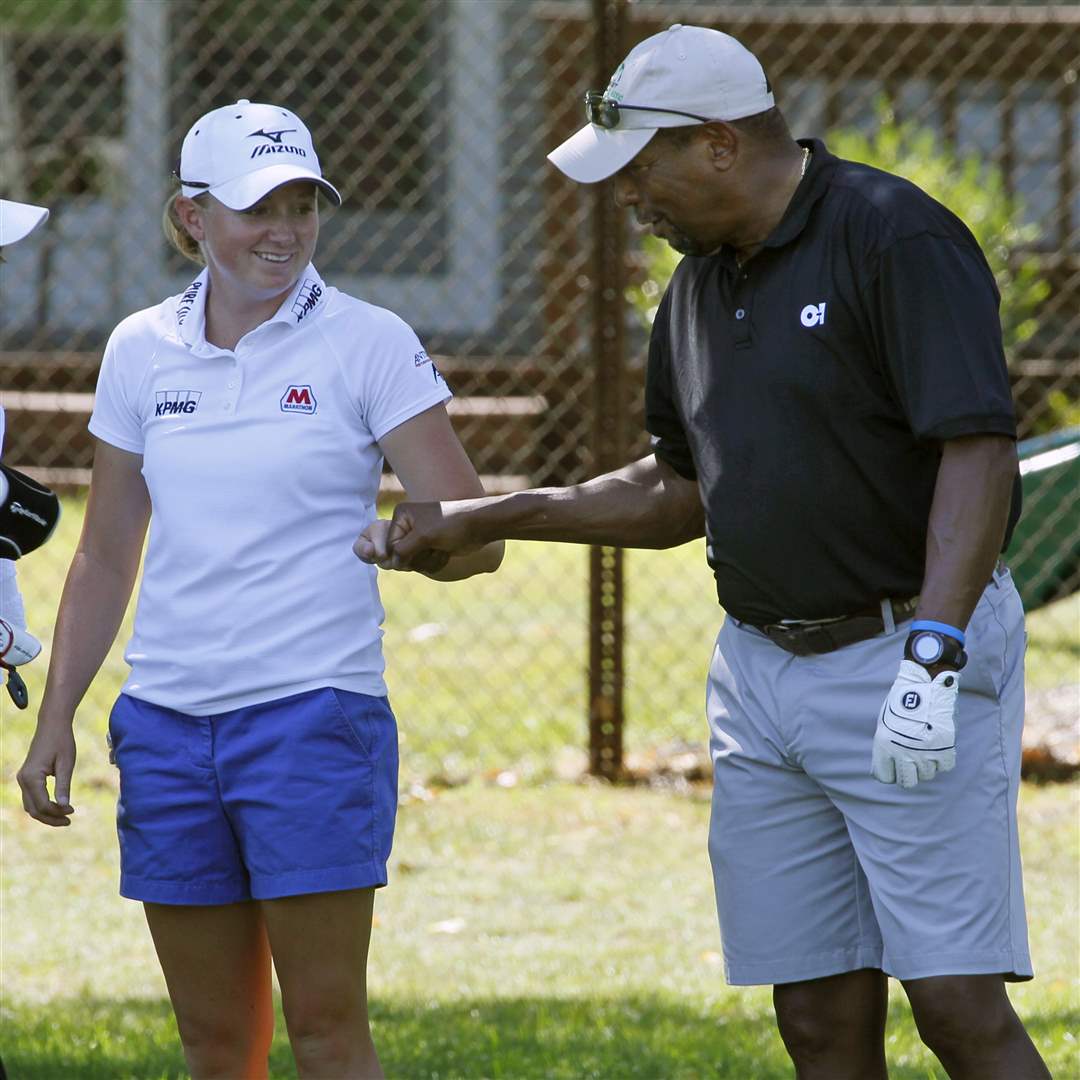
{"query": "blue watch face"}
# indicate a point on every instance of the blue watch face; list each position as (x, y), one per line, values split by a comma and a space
(927, 647)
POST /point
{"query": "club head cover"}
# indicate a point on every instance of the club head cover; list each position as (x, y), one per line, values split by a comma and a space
(29, 512)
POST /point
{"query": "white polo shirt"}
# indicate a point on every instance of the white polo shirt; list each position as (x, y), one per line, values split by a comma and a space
(263, 466)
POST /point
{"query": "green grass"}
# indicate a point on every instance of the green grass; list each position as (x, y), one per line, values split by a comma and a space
(583, 943)
(586, 942)
(492, 671)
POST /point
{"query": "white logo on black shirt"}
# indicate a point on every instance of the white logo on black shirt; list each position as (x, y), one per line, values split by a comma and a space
(813, 314)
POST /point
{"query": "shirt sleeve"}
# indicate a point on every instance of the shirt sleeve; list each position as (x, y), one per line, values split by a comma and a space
(662, 420)
(397, 379)
(934, 314)
(11, 602)
(115, 418)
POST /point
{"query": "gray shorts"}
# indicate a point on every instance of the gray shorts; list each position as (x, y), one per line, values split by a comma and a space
(819, 868)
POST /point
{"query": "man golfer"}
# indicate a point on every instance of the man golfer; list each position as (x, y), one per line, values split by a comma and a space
(829, 404)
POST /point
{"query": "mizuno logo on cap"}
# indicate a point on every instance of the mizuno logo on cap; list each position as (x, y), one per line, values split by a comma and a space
(273, 136)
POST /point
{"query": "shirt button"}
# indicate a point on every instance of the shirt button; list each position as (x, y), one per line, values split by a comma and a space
(740, 314)
(232, 386)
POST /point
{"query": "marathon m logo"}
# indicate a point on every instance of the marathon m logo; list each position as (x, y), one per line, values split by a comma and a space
(299, 399)
(275, 145)
(813, 314)
(175, 402)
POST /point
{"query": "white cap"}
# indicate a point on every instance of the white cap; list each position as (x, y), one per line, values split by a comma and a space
(686, 68)
(241, 152)
(18, 220)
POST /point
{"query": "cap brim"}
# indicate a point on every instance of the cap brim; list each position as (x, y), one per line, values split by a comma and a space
(595, 153)
(247, 190)
(19, 220)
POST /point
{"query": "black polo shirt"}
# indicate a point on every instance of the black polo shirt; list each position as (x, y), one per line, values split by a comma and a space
(809, 392)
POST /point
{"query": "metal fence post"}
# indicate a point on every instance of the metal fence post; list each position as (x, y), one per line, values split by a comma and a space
(609, 434)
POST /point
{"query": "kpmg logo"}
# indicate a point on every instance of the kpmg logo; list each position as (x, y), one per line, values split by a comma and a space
(175, 402)
(299, 399)
(187, 302)
(307, 299)
(275, 145)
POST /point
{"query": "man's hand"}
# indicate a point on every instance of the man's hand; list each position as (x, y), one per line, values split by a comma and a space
(51, 753)
(916, 734)
(432, 527)
(376, 545)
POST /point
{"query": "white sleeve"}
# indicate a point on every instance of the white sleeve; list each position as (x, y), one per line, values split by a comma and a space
(116, 418)
(395, 379)
(11, 603)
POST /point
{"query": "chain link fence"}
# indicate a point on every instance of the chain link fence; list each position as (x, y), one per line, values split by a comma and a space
(433, 118)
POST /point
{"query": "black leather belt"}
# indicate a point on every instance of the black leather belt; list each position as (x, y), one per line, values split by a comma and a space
(813, 637)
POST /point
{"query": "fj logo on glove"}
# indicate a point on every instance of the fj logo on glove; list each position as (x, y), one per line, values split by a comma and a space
(813, 314)
(911, 700)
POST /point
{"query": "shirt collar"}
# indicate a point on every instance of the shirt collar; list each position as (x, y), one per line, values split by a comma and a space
(191, 310)
(304, 302)
(811, 188)
(307, 299)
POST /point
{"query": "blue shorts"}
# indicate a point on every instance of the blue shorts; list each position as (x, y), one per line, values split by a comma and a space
(287, 797)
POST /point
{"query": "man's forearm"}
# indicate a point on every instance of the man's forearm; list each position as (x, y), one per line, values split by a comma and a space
(967, 525)
(645, 505)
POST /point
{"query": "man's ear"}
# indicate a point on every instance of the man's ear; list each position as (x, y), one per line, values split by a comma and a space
(722, 144)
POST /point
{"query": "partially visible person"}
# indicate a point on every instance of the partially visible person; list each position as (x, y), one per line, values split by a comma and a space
(246, 421)
(829, 404)
(28, 511)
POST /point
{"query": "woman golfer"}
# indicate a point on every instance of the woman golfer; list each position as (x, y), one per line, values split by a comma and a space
(246, 420)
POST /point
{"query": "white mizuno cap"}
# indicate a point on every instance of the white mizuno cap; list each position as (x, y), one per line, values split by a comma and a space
(18, 220)
(683, 75)
(241, 152)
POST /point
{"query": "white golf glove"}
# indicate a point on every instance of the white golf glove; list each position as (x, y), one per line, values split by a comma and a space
(916, 734)
(17, 647)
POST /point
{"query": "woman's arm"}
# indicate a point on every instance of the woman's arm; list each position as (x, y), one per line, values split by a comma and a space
(432, 465)
(94, 599)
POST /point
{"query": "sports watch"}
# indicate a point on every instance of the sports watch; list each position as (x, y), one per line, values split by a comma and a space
(929, 647)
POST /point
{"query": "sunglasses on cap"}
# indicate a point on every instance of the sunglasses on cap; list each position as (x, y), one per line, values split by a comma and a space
(604, 112)
(187, 183)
